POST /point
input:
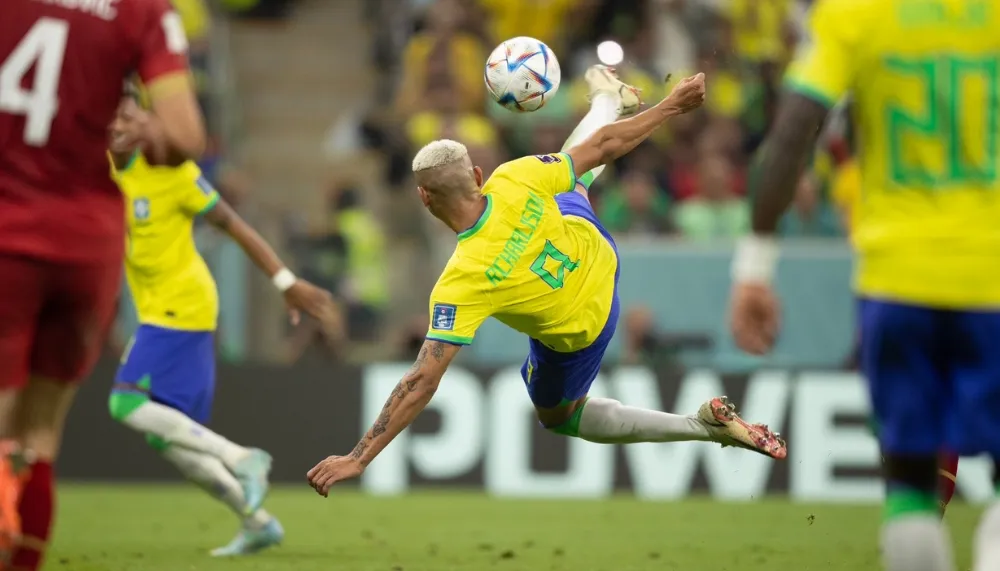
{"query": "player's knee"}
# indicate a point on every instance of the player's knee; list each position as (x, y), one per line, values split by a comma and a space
(563, 420)
(123, 404)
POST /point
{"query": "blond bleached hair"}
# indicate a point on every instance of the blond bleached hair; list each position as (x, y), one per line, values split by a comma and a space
(442, 152)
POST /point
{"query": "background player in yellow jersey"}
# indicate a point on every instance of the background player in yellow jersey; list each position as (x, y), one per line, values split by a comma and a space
(924, 76)
(532, 254)
(166, 381)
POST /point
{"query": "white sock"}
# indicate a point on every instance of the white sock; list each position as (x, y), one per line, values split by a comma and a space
(211, 475)
(608, 421)
(917, 542)
(176, 428)
(986, 548)
(603, 111)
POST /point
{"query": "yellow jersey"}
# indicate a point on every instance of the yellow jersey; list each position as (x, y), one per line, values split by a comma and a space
(170, 282)
(546, 275)
(759, 28)
(925, 79)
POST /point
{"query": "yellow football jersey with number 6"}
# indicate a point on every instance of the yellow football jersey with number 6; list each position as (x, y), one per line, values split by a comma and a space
(925, 80)
(541, 273)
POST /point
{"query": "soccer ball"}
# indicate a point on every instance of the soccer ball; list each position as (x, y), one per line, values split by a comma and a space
(522, 74)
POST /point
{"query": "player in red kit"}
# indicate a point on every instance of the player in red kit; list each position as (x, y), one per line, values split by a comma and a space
(62, 68)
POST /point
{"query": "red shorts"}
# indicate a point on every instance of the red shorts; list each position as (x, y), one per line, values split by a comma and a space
(54, 317)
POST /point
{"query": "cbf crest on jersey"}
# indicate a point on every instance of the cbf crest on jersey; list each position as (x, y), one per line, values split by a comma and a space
(140, 209)
(444, 317)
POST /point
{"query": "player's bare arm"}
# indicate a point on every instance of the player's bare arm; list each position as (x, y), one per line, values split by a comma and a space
(175, 129)
(299, 294)
(755, 313)
(404, 404)
(782, 158)
(616, 139)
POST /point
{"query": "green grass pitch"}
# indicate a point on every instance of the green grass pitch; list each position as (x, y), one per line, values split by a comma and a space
(170, 528)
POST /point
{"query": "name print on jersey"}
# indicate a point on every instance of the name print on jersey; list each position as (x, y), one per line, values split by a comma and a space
(103, 9)
(504, 264)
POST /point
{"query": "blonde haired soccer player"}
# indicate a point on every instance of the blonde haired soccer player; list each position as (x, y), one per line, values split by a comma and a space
(165, 385)
(925, 81)
(532, 254)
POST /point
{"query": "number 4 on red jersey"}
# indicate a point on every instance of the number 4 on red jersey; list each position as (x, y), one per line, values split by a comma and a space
(62, 67)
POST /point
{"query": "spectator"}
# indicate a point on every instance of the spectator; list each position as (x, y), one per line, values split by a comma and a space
(761, 31)
(444, 120)
(545, 20)
(442, 53)
(716, 212)
(321, 256)
(636, 206)
(365, 289)
(809, 216)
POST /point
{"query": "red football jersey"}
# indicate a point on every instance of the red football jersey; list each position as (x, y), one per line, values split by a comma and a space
(63, 64)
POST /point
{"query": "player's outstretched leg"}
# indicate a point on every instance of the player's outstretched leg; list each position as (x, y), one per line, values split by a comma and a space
(250, 466)
(610, 99)
(608, 421)
(260, 529)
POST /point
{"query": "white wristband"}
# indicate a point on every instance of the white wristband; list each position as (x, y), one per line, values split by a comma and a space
(283, 279)
(755, 260)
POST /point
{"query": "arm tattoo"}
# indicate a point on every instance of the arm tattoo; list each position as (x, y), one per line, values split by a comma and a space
(437, 349)
(781, 159)
(406, 386)
(359, 449)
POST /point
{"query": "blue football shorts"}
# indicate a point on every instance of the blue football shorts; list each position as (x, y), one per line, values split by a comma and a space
(553, 378)
(934, 377)
(173, 367)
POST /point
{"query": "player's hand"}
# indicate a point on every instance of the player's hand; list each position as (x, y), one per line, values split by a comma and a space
(332, 470)
(689, 94)
(755, 317)
(314, 301)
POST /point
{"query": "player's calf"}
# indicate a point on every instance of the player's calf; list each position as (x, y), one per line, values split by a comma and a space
(165, 426)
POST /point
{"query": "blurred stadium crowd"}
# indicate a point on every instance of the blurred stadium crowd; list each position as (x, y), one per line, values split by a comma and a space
(689, 182)
(427, 57)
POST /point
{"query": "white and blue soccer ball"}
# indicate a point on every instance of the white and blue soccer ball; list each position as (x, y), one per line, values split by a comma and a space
(522, 74)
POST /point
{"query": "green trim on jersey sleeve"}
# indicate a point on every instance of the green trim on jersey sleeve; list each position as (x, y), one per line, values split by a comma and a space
(447, 338)
(479, 223)
(211, 204)
(572, 170)
(810, 92)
